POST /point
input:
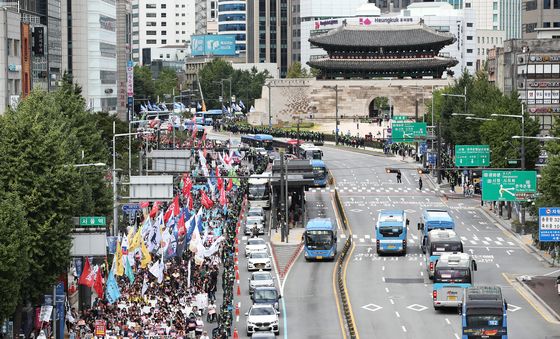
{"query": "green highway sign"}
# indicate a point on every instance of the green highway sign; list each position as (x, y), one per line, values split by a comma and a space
(93, 221)
(472, 155)
(408, 131)
(399, 117)
(508, 185)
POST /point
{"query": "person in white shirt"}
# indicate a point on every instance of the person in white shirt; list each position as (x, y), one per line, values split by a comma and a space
(204, 335)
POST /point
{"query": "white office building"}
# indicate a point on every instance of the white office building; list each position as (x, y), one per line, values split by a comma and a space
(232, 19)
(439, 15)
(10, 60)
(158, 23)
(92, 56)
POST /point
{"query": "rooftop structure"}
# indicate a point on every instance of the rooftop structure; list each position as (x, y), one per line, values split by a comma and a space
(382, 51)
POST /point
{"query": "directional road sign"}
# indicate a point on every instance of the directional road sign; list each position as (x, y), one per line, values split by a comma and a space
(408, 131)
(130, 208)
(472, 155)
(93, 221)
(399, 117)
(549, 224)
(508, 185)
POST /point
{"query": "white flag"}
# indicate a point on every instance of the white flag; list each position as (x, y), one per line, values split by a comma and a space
(145, 285)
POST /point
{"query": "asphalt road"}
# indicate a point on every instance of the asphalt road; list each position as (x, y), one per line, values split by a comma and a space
(308, 289)
(391, 296)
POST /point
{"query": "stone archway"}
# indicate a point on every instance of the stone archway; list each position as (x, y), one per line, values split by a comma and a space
(378, 107)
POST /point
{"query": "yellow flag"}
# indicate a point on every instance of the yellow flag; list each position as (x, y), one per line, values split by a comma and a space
(120, 266)
(134, 243)
(146, 257)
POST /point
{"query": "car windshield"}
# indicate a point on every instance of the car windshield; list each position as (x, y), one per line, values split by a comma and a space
(262, 311)
(442, 247)
(262, 276)
(484, 321)
(255, 242)
(257, 191)
(259, 255)
(452, 275)
(318, 240)
(265, 294)
(254, 213)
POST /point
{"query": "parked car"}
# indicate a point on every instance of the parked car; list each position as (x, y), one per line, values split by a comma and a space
(266, 295)
(260, 279)
(255, 245)
(259, 261)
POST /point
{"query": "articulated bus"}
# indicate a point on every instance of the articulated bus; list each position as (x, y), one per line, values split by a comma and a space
(452, 274)
(433, 219)
(391, 231)
(439, 242)
(310, 151)
(258, 140)
(320, 239)
(288, 145)
(320, 173)
(484, 313)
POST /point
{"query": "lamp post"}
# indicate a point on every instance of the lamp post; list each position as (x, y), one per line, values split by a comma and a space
(464, 96)
(522, 117)
(480, 119)
(269, 106)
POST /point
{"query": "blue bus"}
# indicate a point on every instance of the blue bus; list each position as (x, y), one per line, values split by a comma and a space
(391, 231)
(320, 239)
(433, 219)
(207, 118)
(320, 173)
(438, 242)
(453, 273)
(258, 140)
(484, 313)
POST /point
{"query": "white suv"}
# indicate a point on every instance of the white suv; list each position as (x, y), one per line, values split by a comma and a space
(262, 318)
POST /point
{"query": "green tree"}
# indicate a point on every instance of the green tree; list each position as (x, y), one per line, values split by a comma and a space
(166, 84)
(297, 71)
(14, 251)
(549, 184)
(144, 84)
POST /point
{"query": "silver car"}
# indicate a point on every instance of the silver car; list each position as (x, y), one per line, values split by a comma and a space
(260, 279)
(252, 222)
(262, 318)
(259, 261)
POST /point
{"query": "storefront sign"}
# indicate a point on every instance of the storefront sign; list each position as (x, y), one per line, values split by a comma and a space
(544, 58)
(544, 84)
(544, 110)
(331, 22)
(389, 20)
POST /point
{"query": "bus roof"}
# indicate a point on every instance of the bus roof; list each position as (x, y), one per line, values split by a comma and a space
(309, 147)
(436, 215)
(443, 235)
(263, 137)
(214, 112)
(319, 224)
(483, 297)
(459, 260)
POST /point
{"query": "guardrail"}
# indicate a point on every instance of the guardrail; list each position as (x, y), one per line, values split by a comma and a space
(340, 209)
(350, 326)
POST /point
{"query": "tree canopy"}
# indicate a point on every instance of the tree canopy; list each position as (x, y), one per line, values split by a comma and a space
(482, 100)
(148, 88)
(40, 142)
(245, 85)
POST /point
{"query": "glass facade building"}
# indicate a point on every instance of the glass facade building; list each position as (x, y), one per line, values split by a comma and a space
(232, 19)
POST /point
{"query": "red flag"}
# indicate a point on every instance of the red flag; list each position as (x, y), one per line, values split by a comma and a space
(176, 208)
(98, 284)
(223, 199)
(205, 201)
(144, 204)
(87, 277)
(155, 210)
(230, 184)
(168, 214)
(181, 229)
(220, 180)
(191, 202)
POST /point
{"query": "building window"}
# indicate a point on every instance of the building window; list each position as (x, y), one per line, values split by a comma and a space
(556, 24)
(164, 15)
(163, 6)
(556, 4)
(530, 28)
(163, 41)
(167, 56)
(469, 63)
(546, 4)
(150, 15)
(182, 14)
(151, 33)
(478, 51)
(163, 32)
(135, 24)
(495, 17)
(478, 39)
(151, 6)
(469, 37)
(177, 41)
(468, 5)
(495, 6)
(164, 24)
(151, 23)
(531, 5)
(492, 38)
(108, 77)
(469, 24)
(546, 24)
(469, 50)
(176, 32)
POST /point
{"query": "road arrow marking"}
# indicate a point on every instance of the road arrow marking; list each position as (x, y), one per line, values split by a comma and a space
(513, 308)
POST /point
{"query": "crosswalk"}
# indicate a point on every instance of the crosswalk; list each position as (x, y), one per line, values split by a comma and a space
(376, 189)
(474, 240)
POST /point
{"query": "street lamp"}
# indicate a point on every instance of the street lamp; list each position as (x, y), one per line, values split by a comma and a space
(463, 114)
(522, 117)
(96, 164)
(536, 138)
(476, 118)
(335, 87)
(464, 96)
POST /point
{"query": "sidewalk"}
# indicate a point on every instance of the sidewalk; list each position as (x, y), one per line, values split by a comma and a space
(544, 290)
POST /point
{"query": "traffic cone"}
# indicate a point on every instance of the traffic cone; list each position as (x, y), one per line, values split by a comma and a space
(235, 260)
(236, 275)
(237, 309)
(236, 240)
(235, 267)
(235, 334)
(238, 290)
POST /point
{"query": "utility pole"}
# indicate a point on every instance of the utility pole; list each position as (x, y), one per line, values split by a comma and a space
(287, 231)
(269, 107)
(336, 115)
(416, 114)
(438, 159)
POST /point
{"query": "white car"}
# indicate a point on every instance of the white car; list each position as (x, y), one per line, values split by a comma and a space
(256, 212)
(255, 245)
(251, 222)
(260, 279)
(262, 318)
(259, 261)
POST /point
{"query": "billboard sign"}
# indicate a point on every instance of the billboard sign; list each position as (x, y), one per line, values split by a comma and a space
(223, 44)
(549, 224)
(130, 78)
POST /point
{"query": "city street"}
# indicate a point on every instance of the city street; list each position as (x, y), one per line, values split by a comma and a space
(392, 294)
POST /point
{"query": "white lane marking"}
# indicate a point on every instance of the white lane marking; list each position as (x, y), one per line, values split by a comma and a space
(457, 336)
(498, 265)
(509, 252)
(387, 289)
(397, 314)
(473, 242)
(367, 236)
(447, 321)
(355, 236)
(498, 243)
(500, 239)
(383, 278)
(383, 268)
(422, 273)
(404, 329)
(485, 242)
(476, 228)
(464, 238)
(362, 240)
(488, 238)
(510, 243)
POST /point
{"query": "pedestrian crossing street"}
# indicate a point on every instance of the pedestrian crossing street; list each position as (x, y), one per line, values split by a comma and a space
(473, 240)
(376, 189)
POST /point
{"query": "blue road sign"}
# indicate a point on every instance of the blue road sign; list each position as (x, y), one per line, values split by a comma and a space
(423, 148)
(130, 208)
(432, 158)
(549, 224)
